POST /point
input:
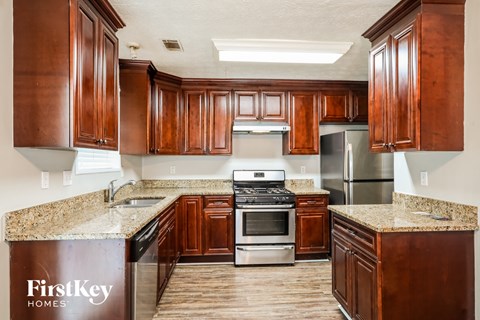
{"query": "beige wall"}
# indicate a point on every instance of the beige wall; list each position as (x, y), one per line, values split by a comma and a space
(453, 176)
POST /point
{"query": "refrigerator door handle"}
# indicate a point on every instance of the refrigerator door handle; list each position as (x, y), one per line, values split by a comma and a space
(348, 163)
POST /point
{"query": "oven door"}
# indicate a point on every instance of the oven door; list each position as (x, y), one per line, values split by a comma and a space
(264, 225)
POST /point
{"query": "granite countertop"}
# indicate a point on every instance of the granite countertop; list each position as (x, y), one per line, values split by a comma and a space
(89, 217)
(397, 218)
(95, 221)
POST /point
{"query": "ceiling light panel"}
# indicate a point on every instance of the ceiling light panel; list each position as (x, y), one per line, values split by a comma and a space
(280, 51)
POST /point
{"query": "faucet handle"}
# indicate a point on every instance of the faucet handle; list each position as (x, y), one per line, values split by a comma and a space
(111, 182)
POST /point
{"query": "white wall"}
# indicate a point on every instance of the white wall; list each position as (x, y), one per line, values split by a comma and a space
(20, 169)
(256, 151)
(453, 176)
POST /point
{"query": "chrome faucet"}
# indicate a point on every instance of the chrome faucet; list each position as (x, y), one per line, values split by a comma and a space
(112, 191)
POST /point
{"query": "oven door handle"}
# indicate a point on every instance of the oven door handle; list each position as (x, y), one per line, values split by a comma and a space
(272, 206)
(265, 248)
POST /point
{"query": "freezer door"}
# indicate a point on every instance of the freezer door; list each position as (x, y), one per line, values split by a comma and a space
(360, 163)
(378, 192)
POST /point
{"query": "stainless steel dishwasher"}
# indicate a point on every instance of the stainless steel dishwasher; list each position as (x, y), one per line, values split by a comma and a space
(144, 266)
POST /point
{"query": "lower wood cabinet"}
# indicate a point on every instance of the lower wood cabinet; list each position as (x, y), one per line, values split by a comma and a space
(402, 275)
(168, 252)
(207, 227)
(312, 235)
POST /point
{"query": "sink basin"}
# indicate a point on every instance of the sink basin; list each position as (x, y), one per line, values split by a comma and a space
(137, 203)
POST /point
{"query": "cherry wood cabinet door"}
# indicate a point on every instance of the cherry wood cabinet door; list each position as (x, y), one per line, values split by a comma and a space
(273, 107)
(218, 226)
(108, 108)
(191, 225)
(246, 105)
(335, 106)
(312, 231)
(162, 263)
(404, 108)
(364, 281)
(220, 122)
(166, 120)
(86, 111)
(303, 135)
(194, 120)
(359, 112)
(378, 122)
(341, 273)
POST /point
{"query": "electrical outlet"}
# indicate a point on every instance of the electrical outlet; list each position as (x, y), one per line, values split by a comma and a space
(303, 169)
(67, 178)
(424, 178)
(173, 169)
(45, 179)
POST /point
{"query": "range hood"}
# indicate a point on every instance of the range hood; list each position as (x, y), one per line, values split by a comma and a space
(260, 127)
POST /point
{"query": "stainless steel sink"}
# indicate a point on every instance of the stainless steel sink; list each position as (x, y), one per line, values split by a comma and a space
(137, 203)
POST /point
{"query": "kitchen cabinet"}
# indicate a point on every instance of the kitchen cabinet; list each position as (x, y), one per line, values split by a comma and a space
(338, 106)
(66, 95)
(207, 123)
(207, 228)
(191, 226)
(402, 275)
(136, 88)
(165, 119)
(260, 105)
(413, 103)
(312, 235)
(100, 263)
(218, 225)
(167, 247)
(303, 135)
(149, 110)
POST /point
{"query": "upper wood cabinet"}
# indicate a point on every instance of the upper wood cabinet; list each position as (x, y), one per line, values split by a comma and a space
(416, 77)
(207, 122)
(165, 119)
(194, 118)
(258, 105)
(66, 94)
(136, 92)
(150, 110)
(344, 105)
(303, 135)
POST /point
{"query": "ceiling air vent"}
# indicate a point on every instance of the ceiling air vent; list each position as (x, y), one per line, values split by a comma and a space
(172, 45)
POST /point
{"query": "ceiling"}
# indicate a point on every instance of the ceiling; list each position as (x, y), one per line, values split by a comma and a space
(195, 22)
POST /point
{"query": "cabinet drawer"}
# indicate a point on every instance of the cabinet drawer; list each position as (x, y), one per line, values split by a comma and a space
(217, 201)
(312, 201)
(359, 236)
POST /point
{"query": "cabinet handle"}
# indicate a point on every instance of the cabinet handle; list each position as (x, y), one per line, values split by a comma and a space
(311, 202)
(352, 232)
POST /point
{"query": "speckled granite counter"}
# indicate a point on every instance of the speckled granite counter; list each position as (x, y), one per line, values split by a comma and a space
(411, 214)
(89, 217)
(304, 187)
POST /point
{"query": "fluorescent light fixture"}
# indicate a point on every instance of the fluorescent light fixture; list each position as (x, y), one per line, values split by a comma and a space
(280, 51)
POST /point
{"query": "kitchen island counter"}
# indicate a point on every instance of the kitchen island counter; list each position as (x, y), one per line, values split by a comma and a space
(411, 214)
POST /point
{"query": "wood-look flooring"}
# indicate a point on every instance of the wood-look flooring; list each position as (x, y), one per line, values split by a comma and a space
(302, 291)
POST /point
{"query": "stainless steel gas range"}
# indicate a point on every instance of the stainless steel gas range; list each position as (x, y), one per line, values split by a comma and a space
(264, 218)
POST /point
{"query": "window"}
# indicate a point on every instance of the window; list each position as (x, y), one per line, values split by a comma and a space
(96, 161)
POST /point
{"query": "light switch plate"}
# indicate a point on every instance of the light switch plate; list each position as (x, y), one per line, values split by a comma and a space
(424, 178)
(67, 178)
(303, 169)
(173, 169)
(45, 179)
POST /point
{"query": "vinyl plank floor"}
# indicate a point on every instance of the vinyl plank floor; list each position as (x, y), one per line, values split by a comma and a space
(302, 291)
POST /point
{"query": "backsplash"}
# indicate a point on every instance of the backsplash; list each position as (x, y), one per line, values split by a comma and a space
(451, 210)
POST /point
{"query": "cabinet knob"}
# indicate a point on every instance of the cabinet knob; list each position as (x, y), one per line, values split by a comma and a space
(104, 141)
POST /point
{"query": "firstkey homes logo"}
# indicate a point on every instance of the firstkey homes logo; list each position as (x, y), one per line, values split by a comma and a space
(56, 295)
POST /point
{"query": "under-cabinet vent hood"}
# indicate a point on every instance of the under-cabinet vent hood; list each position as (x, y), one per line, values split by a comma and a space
(260, 127)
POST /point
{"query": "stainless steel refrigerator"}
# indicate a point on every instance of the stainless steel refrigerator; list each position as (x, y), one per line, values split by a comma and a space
(351, 173)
